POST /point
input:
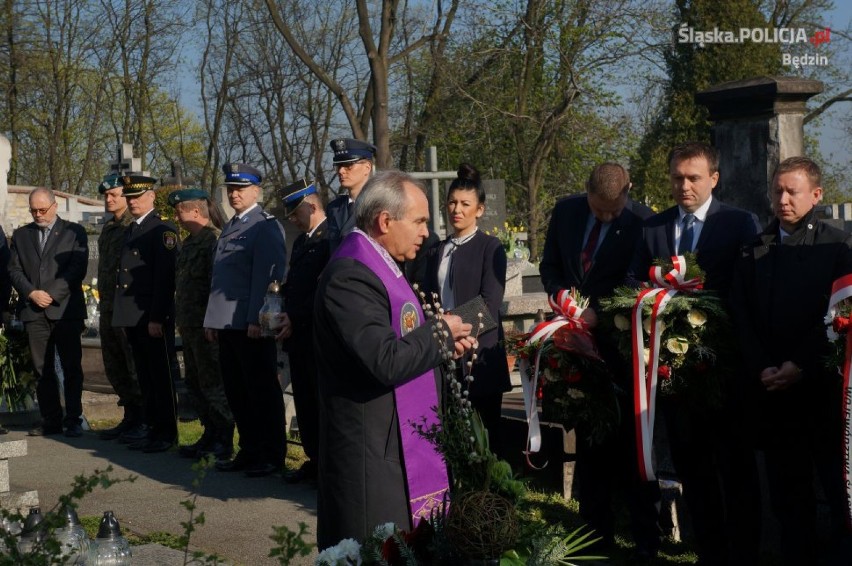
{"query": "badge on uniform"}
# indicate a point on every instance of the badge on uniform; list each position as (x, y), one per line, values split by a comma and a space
(409, 319)
(169, 240)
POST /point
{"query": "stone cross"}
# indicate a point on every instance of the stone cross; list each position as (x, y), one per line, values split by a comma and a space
(125, 162)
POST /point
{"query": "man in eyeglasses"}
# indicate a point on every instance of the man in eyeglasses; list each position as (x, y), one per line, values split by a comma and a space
(49, 257)
(353, 161)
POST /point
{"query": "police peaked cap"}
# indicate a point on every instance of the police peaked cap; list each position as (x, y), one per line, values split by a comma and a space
(293, 194)
(241, 174)
(347, 150)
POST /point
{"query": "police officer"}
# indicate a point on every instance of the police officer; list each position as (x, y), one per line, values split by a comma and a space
(200, 217)
(353, 161)
(144, 307)
(250, 254)
(309, 255)
(115, 350)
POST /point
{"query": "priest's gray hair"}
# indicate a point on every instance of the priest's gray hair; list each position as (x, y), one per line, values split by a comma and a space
(385, 191)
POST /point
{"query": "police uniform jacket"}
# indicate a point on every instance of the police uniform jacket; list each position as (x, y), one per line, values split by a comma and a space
(478, 267)
(110, 242)
(307, 260)
(193, 268)
(250, 254)
(59, 269)
(361, 480)
(145, 280)
(340, 222)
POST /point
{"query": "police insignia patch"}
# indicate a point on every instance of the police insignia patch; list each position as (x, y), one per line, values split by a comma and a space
(408, 318)
(169, 240)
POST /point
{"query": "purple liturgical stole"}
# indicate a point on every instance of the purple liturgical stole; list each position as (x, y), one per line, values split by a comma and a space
(425, 470)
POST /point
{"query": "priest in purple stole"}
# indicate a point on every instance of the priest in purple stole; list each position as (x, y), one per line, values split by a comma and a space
(376, 356)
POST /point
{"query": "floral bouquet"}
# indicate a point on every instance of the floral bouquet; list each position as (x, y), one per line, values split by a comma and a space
(387, 545)
(561, 359)
(17, 380)
(695, 331)
(679, 338)
(508, 236)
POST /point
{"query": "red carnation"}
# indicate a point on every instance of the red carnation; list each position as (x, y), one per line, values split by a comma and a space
(840, 324)
(665, 372)
(573, 376)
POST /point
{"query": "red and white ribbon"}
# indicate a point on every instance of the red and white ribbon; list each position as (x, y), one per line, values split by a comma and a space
(840, 291)
(665, 286)
(568, 312)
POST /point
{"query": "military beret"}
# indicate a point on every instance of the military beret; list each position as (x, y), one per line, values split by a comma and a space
(135, 184)
(293, 194)
(241, 174)
(349, 151)
(183, 195)
(110, 181)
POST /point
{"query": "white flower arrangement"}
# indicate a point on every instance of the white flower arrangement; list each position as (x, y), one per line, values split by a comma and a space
(345, 553)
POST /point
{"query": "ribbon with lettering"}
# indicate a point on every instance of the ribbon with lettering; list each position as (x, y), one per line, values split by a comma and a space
(840, 291)
(663, 287)
(568, 312)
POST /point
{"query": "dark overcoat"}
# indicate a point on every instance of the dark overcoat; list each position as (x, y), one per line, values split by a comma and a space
(360, 359)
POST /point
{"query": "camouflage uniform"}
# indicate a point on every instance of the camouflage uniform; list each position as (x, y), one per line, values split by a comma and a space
(201, 358)
(118, 360)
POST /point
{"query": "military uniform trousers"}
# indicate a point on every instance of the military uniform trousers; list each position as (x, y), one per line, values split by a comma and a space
(303, 373)
(250, 375)
(118, 362)
(48, 338)
(153, 367)
(204, 379)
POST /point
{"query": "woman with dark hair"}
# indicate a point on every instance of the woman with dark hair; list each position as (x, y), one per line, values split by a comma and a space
(467, 264)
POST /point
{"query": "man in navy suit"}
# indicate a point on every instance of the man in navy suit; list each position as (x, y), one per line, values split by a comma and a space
(590, 242)
(709, 448)
(309, 257)
(144, 306)
(353, 161)
(250, 254)
(49, 257)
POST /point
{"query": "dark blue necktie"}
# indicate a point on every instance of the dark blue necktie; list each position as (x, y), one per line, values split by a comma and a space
(687, 235)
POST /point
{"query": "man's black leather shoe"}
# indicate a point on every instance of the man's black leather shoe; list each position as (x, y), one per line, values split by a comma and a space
(157, 446)
(139, 444)
(304, 474)
(45, 430)
(260, 470)
(134, 434)
(116, 431)
(236, 465)
(74, 430)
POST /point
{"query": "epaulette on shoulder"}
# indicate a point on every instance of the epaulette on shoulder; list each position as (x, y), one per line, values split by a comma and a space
(268, 216)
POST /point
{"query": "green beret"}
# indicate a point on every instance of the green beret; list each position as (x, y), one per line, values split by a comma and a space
(183, 195)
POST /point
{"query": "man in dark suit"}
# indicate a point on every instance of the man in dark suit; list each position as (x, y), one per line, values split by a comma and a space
(713, 458)
(590, 242)
(377, 377)
(49, 258)
(353, 161)
(250, 254)
(144, 307)
(309, 256)
(781, 289)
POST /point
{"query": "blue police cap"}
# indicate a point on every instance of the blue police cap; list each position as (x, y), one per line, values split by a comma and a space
(241, 174)
(293, 194)
(183, 195)
(110, 181)
(135, 184)
(347, 150)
